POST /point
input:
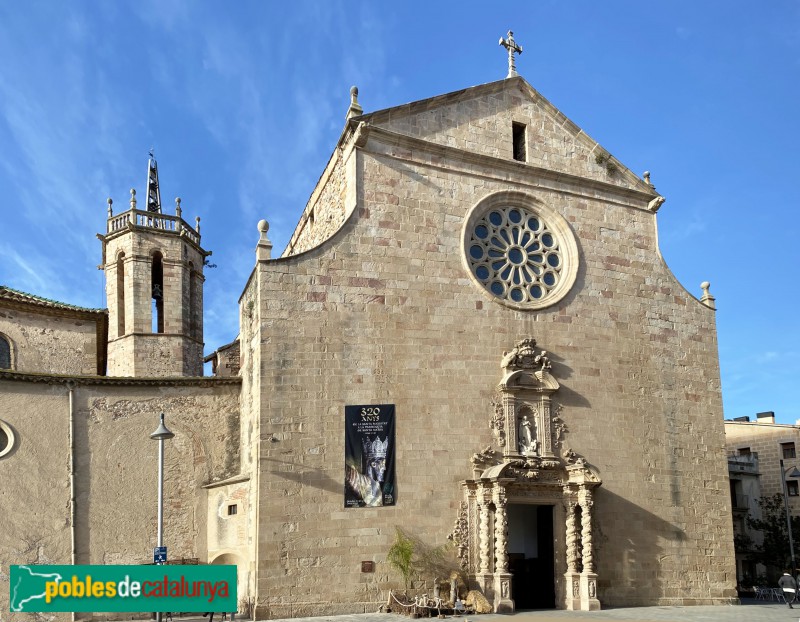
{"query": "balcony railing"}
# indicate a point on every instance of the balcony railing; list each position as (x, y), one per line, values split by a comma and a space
(152, 220)
(747, 463)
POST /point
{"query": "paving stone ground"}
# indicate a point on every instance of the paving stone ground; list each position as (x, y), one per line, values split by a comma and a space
(748, 611)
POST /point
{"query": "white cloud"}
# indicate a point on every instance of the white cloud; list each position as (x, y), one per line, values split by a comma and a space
(32, 275)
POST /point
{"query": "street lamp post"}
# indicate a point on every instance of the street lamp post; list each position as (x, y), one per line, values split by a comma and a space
(794, 473)
(161, 434)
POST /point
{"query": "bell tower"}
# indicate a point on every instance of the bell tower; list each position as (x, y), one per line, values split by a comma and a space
(153, 264)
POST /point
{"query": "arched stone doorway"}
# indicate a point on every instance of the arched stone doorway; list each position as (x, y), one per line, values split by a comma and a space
(530, 467)
(232, 559)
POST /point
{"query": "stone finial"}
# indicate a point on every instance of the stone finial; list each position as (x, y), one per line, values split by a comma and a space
(355, 109)
(133, 198)
(110, 211)
(512, 47)
(197, 224)
(707, 299)
(264, 247)
(646, 176)
(178, 210)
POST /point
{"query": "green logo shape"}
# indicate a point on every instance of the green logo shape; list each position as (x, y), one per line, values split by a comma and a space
(133, 589)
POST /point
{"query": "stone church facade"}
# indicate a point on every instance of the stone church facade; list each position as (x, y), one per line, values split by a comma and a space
(474, 260)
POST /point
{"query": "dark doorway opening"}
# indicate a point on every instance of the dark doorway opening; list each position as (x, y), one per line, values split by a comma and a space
(531, 556)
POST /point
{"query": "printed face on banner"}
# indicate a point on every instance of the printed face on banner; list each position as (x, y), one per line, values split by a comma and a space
(369, 456)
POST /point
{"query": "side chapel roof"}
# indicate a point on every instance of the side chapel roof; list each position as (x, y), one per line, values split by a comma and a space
(8, 294)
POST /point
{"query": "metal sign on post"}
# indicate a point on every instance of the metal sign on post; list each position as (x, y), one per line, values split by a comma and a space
(160, 555)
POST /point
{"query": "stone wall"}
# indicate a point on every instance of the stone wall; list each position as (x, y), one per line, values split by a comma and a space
(482, 124)
(250, 406)
(385, 312)
(326, 209)
(46, 342)
(152, 355)
(35, 493)
(229, 539)
(115, 469)
(225, 360)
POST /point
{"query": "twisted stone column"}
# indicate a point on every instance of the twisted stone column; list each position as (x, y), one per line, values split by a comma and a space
(572, 537)
(485, 542)
(500, 535)
(586, 532)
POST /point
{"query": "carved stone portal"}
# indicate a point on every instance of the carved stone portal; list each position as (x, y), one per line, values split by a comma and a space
(528, 463)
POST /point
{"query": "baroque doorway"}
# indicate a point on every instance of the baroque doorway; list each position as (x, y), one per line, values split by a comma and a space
(529, 466)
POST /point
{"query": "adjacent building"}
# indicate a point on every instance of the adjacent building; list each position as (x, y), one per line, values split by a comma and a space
(762, 455)
(745, 481)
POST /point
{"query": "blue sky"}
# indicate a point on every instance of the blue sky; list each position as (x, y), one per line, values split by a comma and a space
(244, 101)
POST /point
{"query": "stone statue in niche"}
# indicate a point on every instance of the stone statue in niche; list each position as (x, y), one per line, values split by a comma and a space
(526, 437)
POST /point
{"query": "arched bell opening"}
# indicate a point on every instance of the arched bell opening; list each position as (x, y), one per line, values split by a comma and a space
(157, 292)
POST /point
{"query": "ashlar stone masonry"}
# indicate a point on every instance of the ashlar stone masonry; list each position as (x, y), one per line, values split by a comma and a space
(397, 306)
(475, 260)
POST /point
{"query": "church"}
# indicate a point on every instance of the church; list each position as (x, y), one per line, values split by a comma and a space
(471, 337)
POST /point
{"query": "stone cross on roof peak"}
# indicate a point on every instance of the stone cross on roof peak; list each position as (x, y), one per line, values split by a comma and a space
(512, 47)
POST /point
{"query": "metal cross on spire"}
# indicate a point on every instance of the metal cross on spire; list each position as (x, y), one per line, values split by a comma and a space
(512, 47)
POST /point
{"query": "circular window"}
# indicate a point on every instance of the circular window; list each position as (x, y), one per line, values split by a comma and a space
(519, 251)
(6, 438)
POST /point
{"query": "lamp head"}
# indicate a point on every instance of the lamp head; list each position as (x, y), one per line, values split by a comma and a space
(162, 433)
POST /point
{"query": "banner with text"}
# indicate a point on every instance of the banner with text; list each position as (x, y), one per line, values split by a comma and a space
(369, 456)
(122, 588)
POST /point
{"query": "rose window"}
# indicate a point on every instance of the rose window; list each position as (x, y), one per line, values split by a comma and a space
(514, 254)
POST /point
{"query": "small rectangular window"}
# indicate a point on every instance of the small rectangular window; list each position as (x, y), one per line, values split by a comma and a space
(787, 449)
(792, 488)
(518, 138)
(232, 509)
(744, 451)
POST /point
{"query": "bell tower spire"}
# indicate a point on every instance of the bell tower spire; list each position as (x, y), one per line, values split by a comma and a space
(154, 288)
(153, 191)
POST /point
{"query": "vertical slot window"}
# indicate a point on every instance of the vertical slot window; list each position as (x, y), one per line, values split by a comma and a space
(157, 280)
(121, 295)
(192, 310)
(518, 133)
